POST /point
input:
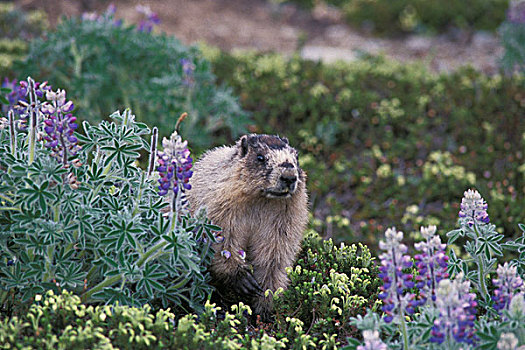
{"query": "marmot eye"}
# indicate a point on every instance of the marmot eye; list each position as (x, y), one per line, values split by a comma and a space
(260, 158)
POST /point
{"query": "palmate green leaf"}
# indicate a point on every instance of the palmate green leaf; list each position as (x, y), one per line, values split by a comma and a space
(37, 193)
(488, 334)
(489, 245)
(95, 173)
(149, 280)
(454, 235)
(35, 270)
(454, 263)
(14, 278)
(71, 275)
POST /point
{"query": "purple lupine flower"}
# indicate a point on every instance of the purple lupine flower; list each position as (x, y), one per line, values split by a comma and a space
(507, 284)
(226, 254)
(24, 107)
(473, 209)
(457, 312)
(4, 122)
(111, 10)
(372, 341)
(432, 264)
(188, 68)
(90, 16)
(516, 12)
(17, 93)
(60, 126)
(107, 16)
(175, 165)
(151, 19)
(242, 254)
(396, 301)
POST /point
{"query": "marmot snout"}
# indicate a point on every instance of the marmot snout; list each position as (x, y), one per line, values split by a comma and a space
(256, 191)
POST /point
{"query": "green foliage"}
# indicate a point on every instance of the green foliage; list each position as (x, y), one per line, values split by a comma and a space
(375, 134)
(108, 66)
(500, 314)
(94, 224)
(328, 285)
(402, 16)
(63, 322)
(513, 39)
(390, 16)
(16, 28)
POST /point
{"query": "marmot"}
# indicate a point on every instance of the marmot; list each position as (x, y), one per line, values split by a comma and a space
(256, 192)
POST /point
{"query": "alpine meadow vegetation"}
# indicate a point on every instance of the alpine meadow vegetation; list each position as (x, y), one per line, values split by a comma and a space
(416, 183)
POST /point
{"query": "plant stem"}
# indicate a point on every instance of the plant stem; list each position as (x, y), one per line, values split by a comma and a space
(139, 197)
(481, 272)
(105, 283)
(4, 197)
(112, 280)
(10, 208)
(403, 328)
(12, 131)
(150, 252)
(33, 121)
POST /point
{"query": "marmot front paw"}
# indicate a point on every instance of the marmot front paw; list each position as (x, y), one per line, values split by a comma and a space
(246, 286)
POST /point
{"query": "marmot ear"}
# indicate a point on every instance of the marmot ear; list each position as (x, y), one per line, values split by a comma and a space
(285, 140)
(243, 145)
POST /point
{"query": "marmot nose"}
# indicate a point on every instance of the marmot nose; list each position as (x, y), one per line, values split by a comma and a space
(288, 180)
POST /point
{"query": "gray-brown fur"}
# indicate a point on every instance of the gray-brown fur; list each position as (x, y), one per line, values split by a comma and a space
(256, 192)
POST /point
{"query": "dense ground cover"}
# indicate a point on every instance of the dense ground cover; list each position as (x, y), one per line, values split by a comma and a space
(384, 144)
(393, 17)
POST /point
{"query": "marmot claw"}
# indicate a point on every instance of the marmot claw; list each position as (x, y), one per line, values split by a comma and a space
(246, 285)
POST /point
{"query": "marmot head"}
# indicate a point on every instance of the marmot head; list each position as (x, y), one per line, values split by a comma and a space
(270, 164)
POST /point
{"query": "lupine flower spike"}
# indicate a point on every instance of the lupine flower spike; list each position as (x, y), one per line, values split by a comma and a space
(60, 126)
(17, 93)
(395, 281)
(457, 312)
(372, 341)
(473, 209)
(175, 165)
(152, 19)
(507, 284)
(516, 12)
(431, 263)
(31, 110)
(188, 69)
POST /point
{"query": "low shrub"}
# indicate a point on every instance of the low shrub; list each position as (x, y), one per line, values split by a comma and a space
(16, 29)
(376, 134)
(328, 285)
(390, 17)
(402, 16)
(76, 211)
(62, 321)
(512, 33)
(109, 65)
